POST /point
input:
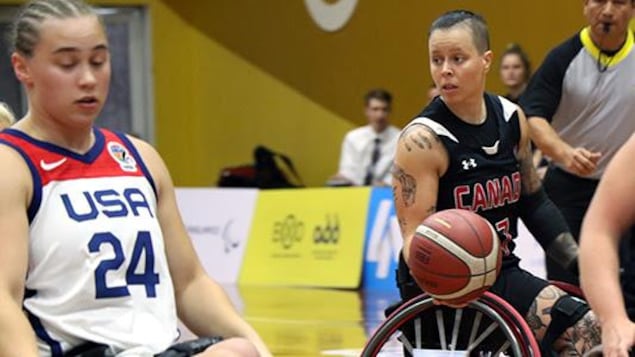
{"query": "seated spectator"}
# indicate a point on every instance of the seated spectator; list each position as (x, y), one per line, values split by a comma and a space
(367, 152)
(515, 70)
(6, 116)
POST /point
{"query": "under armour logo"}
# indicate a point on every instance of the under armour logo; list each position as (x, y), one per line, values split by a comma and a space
(468, 164)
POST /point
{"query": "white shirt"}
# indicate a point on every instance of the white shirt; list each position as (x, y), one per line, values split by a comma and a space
(357, 150)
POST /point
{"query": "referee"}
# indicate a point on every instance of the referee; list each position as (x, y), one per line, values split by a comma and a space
(581, 109)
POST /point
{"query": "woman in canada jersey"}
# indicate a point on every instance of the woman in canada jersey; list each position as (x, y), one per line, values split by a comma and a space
(469, 149)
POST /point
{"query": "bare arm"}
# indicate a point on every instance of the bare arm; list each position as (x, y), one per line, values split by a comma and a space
(16, 335)
(530, 180)
(419, 162)
(611, 213)
(575, 160)
(201, 303)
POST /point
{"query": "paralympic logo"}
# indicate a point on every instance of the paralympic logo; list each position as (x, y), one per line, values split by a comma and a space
(224, 232)
(330, 16)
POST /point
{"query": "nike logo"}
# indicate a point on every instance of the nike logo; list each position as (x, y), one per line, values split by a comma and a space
(48, 166)
(491, 150)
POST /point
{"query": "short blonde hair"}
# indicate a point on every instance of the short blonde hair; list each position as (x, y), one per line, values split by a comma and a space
(6, 116)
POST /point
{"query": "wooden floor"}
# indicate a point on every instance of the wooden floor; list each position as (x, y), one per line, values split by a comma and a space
(312, 322)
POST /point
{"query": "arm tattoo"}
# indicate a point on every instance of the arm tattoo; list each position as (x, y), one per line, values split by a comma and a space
(402, 224)
(530, 179)
(532, 318)
(408, 186)
(548, 294)
(394, 192)
(421, 139)
(582, 336)
(538, 320)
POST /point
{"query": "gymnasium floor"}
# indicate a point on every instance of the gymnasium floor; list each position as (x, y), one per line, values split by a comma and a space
(311, 322)
(327, 322)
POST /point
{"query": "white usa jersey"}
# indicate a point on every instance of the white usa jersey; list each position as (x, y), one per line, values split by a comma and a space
(97, 266)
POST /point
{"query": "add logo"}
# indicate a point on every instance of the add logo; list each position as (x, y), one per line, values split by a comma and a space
(288, 231)
(326, 238)
(329, 233)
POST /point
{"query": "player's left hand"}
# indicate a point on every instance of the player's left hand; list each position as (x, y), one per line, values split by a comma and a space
(617, 338)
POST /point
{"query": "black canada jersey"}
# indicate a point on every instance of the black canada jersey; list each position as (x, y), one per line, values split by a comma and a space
(483, 173)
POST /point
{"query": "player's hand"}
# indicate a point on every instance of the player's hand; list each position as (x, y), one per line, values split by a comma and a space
(617, 338)
(581, 161)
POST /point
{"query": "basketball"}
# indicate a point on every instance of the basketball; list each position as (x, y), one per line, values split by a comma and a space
(455, 256)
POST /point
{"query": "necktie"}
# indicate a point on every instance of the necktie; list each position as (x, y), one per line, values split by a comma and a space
(373, 161)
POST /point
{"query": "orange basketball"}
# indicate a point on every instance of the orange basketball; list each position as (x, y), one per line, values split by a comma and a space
(455, 256)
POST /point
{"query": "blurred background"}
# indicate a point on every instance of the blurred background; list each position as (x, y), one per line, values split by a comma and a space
(207, 80)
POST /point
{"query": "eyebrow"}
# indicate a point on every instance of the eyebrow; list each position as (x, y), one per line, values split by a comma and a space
(100, 47)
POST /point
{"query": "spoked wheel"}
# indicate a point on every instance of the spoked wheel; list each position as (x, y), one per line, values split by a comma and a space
(488, 326)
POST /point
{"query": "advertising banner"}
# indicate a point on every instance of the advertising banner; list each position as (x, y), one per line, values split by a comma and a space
(383, 242)
(305, 322)
(218, 222)
(309, 237)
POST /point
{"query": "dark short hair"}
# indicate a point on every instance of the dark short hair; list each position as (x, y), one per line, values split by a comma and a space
(515, 49)
(379, 94)
(476, 23)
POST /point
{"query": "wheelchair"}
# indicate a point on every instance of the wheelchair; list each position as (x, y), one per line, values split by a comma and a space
(487, 326)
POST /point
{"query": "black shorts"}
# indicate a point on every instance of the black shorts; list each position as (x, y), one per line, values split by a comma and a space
(515, 285)
(183, 349)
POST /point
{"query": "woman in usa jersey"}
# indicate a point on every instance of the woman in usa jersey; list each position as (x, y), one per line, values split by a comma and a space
(469, 149)
(89, 216)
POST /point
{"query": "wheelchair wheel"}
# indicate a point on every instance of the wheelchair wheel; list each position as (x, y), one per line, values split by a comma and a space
(488, 326)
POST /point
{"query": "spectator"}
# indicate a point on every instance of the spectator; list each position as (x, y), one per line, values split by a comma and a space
(580, 109)
(6, 116)
(515, 70)
(367, 152)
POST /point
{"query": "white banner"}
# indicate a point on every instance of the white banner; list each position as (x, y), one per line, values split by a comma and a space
(218, 221)
(530, 252)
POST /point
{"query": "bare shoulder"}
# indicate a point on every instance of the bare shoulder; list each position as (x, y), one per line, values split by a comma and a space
(16, 176)
(420, 148)
(153, 162)
(419, 136)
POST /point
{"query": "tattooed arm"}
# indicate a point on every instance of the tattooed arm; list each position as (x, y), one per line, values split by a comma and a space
(611, 213)
(420, 160)
(543, 219)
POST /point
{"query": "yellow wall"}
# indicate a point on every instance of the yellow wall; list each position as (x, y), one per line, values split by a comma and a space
(233, 74)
